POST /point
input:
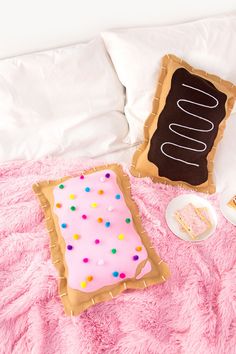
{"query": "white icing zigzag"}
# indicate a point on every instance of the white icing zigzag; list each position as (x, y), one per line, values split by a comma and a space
(173, 125)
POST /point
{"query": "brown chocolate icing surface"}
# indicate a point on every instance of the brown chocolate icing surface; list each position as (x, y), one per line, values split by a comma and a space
(187, 128)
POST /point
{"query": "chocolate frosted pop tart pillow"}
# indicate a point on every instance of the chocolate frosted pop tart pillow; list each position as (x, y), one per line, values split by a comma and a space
(97, 241)
(189, 113)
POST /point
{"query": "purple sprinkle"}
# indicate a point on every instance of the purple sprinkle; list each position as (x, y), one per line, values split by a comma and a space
(136, 257)
(107, 175)
(69, 247)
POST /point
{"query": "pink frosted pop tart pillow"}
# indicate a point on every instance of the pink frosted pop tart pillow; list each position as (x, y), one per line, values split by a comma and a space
(97, 241)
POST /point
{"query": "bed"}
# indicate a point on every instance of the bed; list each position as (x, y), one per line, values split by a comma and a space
(71, 99)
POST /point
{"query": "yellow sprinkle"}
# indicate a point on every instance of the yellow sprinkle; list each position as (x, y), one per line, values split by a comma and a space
(94, 205)
(83, 284)
(76, 236)
(90, 278)
(121, 237)
(72, 196)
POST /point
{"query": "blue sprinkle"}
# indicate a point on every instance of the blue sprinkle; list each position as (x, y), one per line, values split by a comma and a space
(107, 224)
(115, 274)
(64, 225)
(87, 189)
(118, 196)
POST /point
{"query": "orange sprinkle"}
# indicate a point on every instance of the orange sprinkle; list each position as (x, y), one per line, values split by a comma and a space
(100, 191)
(90, 278)
(58, 205)
(100, 220)
(138, 249)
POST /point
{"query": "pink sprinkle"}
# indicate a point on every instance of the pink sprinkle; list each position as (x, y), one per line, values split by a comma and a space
(122, 275)
(97, 241)
(84, 216)
(82, 177)
(85, 260)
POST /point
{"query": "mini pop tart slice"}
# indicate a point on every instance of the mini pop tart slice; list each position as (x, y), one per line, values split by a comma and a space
(194, 221)
(97, 241)
(232, 202)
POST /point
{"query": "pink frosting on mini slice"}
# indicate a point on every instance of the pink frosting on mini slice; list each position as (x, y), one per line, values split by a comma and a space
(190, 217)
(98, 230)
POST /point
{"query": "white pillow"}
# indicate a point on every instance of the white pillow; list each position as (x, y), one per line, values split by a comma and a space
(64, 101)
(208, 44)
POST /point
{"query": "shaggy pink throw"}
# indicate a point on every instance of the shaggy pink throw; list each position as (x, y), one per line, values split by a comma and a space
(192, 313)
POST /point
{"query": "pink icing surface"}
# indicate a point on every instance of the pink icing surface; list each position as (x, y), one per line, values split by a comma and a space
(190, 217)
(146, 269)
(101, 261)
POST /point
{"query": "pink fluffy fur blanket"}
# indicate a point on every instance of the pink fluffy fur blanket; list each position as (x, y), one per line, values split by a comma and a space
(194, 312)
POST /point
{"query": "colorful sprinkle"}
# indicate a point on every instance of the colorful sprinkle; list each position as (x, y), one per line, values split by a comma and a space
(85, 260)
(115, 274)
(64, 225)
(87, 189)
(110, 208)
(138, 249)
(100, 262)
(100, 220)
(82, 177)
(84, 216)
(107, 224)
(122, 275)
(121, 236)
(136, 257)
(83, 284)
(97, 241)
(117, 196)
(72, 196)
(76, 236)
(113, 250)
(107, 175)
(69, 247)
(94, 205)
(73, 208)
(128, 220)
(89, 278)
(61, 186)
(102, 179)
(100, 191)
(58, 205)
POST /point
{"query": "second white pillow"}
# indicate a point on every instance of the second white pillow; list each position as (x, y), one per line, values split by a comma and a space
(208, 44)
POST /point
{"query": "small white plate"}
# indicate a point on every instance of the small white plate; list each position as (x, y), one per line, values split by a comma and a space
(178, 203)
(228, 212)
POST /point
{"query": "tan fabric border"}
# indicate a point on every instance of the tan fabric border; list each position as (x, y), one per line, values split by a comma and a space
(169, 64)
(76, 301)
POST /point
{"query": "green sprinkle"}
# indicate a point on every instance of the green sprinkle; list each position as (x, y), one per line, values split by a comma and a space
(73, 208)
(113, 250)
(128, 220)
(61, 186)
